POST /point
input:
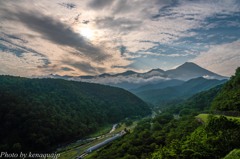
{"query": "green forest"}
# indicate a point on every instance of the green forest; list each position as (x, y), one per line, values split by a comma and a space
(229, 98)
(177, 133)
(39, 115)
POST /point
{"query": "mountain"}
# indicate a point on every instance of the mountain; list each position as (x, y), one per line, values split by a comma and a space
(132, 80)
(190, 70)
(161, 85)
(182, 91)
(39, 114)
(127, 73)
(154, 72)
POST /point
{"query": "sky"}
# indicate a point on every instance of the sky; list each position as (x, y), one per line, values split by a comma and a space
(90, 37)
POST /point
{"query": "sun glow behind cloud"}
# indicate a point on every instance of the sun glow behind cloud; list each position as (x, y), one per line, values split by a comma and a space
(87, 33)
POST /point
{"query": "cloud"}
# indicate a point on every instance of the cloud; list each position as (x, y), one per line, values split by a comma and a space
(68, 5)
(117, 24)
(100, 4)
(54, 36)
(67, 69)
(14, 45)
(122, 6)
(223, 59)
(177, 27)
(122, 49)
(134, 79)
(59, 33)
(85, 67)
(24, 66)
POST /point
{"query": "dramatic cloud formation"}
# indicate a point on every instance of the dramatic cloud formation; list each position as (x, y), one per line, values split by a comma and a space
(223, 59)
(60, 34)
(92, 37)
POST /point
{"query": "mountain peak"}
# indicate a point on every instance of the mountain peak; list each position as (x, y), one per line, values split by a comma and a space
(156, 69)
(188, 65)
(126, 73)
(192, 67)
(104, 75)
(190, 70)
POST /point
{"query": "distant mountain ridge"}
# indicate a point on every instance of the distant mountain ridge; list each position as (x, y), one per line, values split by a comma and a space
(160, 85)
(178, 92)
(132, 80)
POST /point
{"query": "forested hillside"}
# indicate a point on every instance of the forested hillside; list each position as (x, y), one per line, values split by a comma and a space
(177, 133)
(183, 91)
(200, 102)
(229, 98)
(153, 134)
(39, 114)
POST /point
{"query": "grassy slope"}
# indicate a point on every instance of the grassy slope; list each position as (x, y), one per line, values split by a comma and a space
(204, 117)
(234, 154)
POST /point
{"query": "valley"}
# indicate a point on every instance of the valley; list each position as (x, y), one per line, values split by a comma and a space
(66, 112)
(165, 136)
(86, 147)
(119, 79)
